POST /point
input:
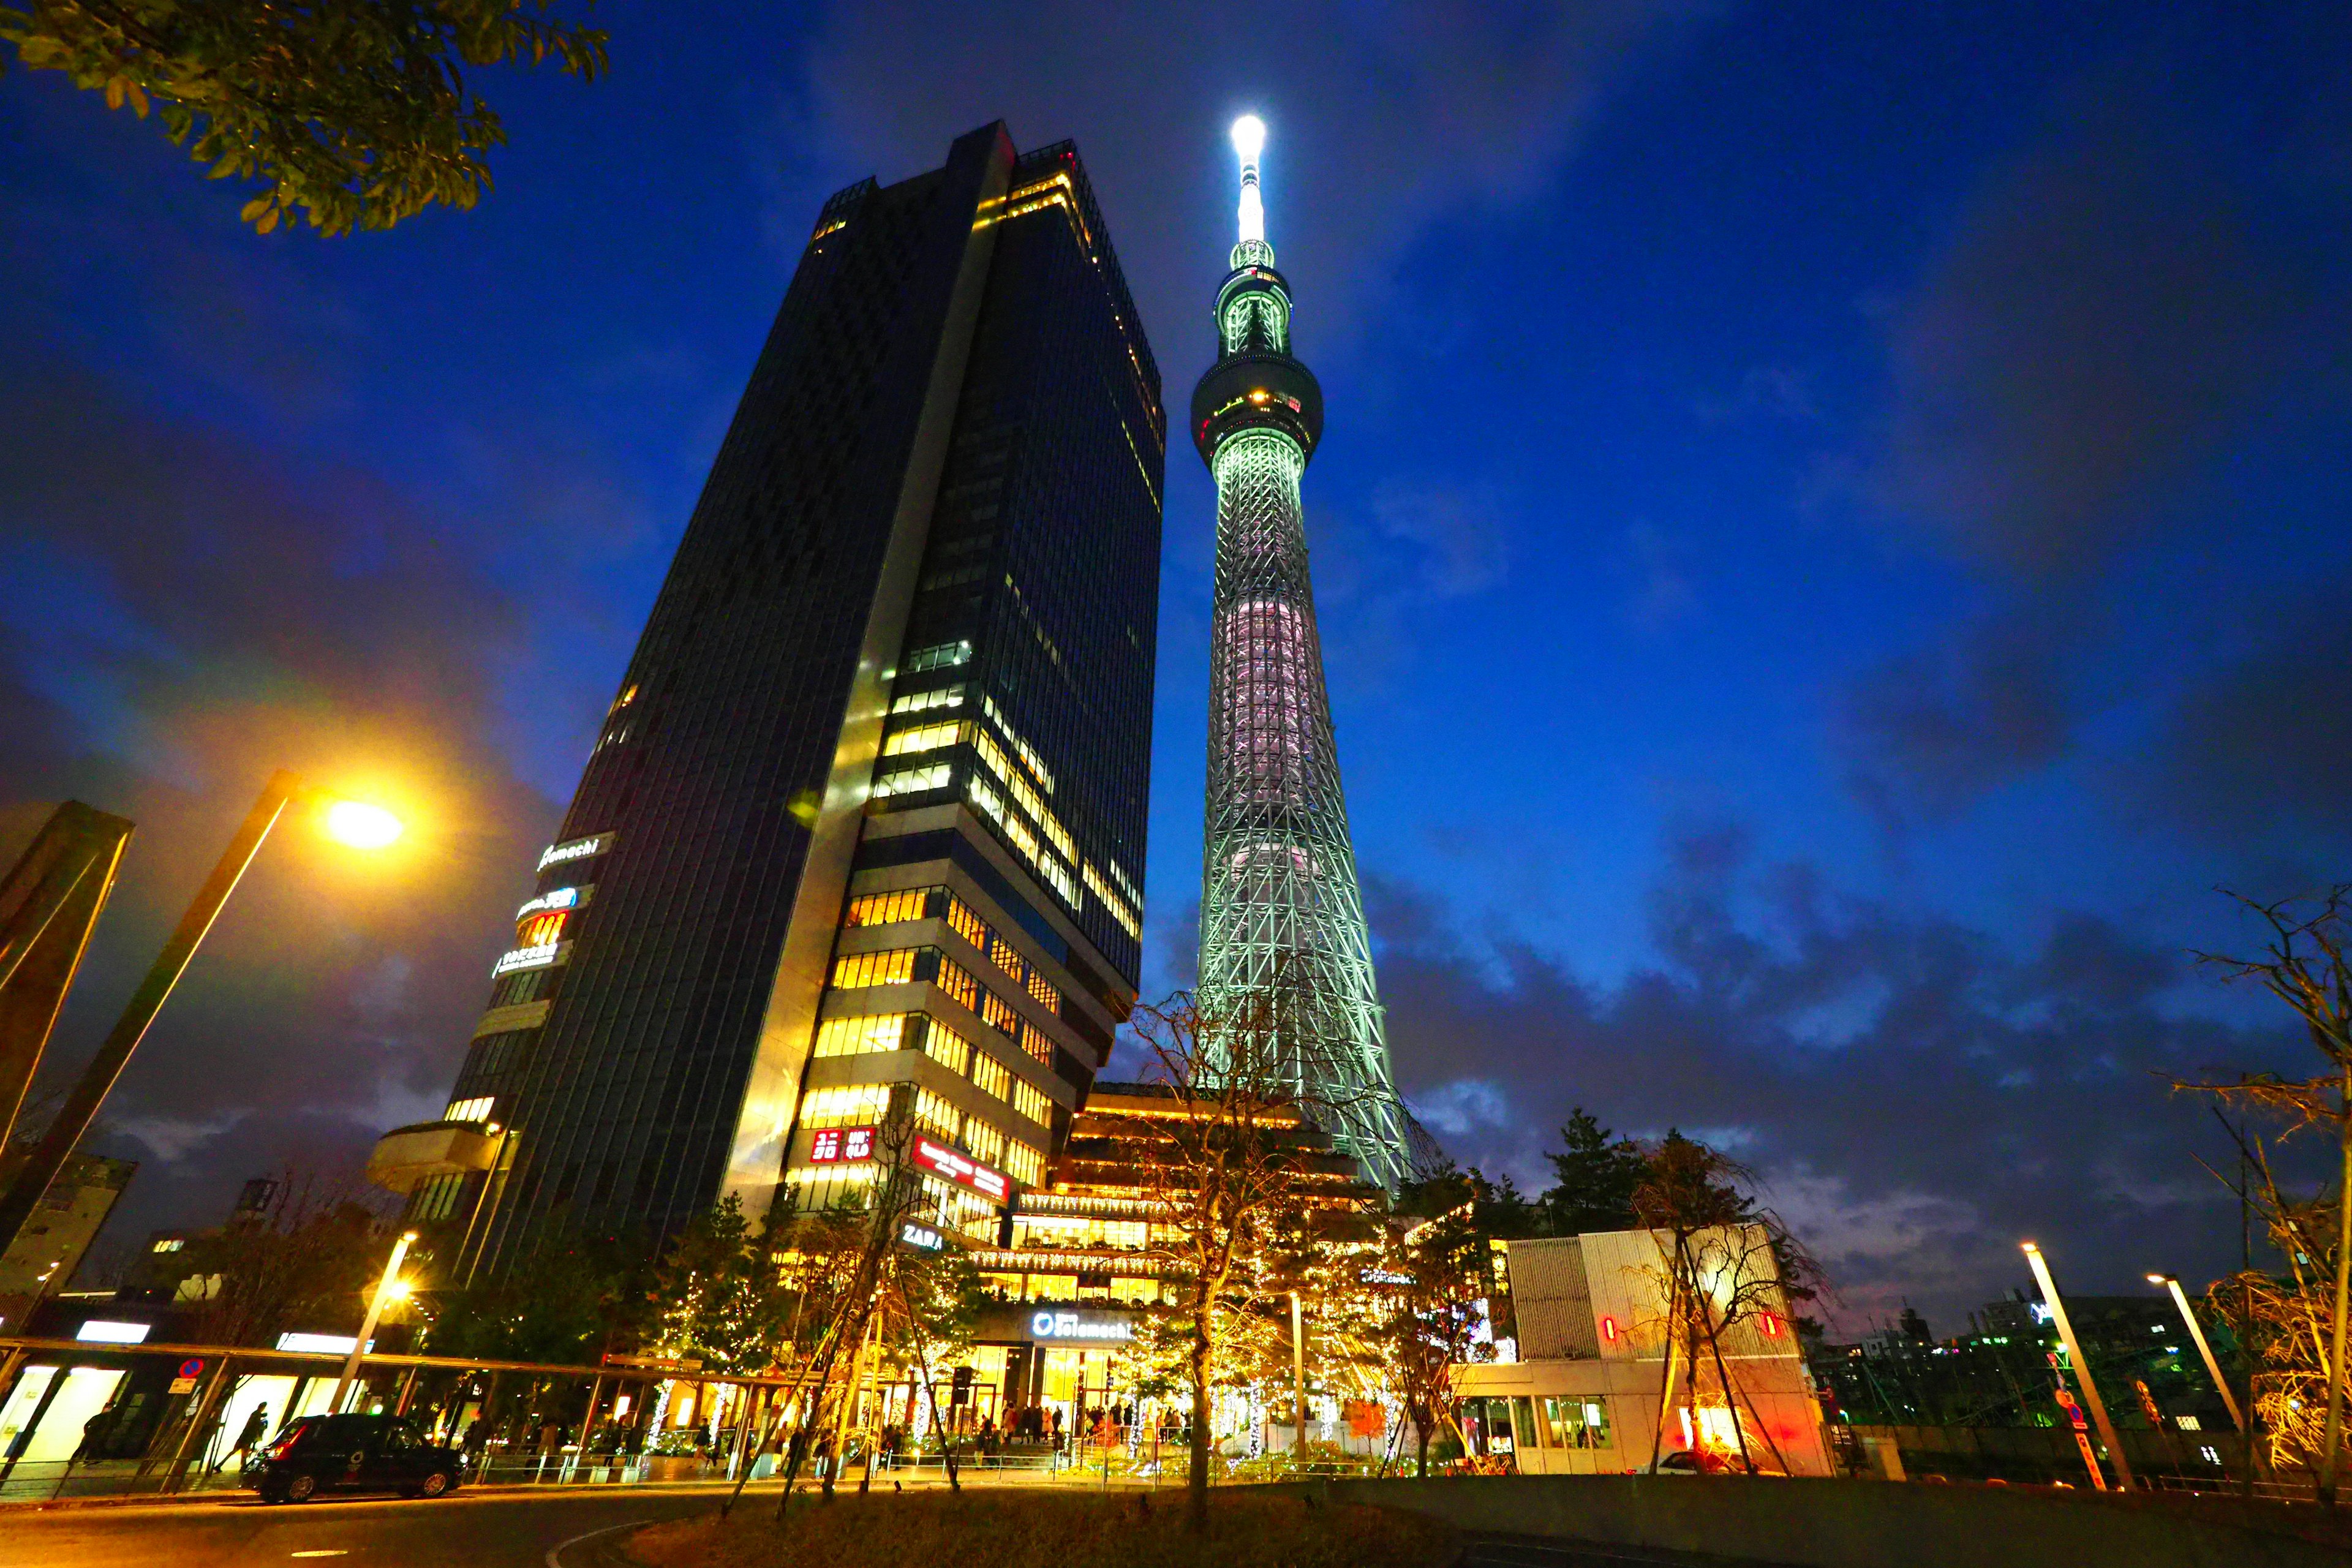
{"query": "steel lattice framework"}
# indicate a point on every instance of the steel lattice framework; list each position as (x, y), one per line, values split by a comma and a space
(1282, 937)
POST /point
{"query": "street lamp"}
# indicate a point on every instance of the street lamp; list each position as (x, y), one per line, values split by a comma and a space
(2081, 1363)
(389, 1288)
(349, 822)
(2181, 1299)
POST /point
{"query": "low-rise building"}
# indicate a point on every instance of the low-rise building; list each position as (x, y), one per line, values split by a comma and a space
(1578, 1386)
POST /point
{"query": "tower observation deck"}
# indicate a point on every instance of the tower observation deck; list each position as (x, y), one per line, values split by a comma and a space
(1283, 943)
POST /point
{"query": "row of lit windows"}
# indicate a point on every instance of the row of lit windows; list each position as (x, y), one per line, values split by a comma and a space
(924, 701)
(918, 903)
(1065, 1287)
(923, 737)
(914, 780)
(1016, 830)
(910, 1031)
(1016, 785)
(940, 656)
(902, 965)
(950, 1207)
(475, 1110)
(896, 967)
(1092, 1234)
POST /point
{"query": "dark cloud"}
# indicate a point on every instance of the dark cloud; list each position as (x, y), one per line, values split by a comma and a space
(192, 613)
(1917, 1095)
(1381, 116)
(2118, 309)
(2269, 734)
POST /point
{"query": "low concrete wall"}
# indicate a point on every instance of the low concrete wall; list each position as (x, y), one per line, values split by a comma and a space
(1835, 1523)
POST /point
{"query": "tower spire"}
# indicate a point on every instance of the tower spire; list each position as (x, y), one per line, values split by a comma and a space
(1283, 936)
(1249, 140)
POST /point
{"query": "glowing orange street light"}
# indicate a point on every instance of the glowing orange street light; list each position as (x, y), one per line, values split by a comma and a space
(360, 826)
(390, 1289)
(348, 822)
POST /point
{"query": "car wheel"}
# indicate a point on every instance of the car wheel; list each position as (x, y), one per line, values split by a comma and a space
(301, 1488)
(433, 1485)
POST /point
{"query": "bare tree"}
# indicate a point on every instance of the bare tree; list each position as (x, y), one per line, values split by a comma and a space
(2281, 1322)
(857, 1260)
(1225, 1179)
(2305, 965)
(306, 1258)
(1727, 1261)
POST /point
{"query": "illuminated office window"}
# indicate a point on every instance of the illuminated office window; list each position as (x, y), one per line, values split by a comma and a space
(886, 909)
(947, 1047)
(859, 1036)
(893, 968)
(991, 1075)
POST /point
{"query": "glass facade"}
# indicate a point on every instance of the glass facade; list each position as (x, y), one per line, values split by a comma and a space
(891, 712)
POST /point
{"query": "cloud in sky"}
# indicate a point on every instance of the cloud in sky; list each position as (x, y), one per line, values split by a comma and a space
(1971, 1095)
(1381, 116)
(193, 613)
(2117, 308)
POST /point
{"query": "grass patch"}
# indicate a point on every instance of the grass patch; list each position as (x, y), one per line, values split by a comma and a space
(1022, 1528)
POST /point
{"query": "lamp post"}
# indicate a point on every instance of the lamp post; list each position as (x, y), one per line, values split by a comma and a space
(2081, 1363)
(350, 822)
(388, 1289)
(2212, 1367)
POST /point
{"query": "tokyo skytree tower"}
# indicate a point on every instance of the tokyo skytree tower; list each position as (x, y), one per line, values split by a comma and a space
(1283, 936)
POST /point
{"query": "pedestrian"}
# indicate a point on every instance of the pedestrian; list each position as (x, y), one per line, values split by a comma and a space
(94, 1434)
(248, 1438)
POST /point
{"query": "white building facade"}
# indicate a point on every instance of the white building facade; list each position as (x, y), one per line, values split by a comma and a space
(1580, 1377)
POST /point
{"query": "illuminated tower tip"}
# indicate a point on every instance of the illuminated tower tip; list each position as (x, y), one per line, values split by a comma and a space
(1249, 140)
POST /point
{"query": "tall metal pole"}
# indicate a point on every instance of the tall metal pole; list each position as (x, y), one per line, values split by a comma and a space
(2212, 1367)
(1298, 1376)
(2081, 1366)
(384, 1290)
(80, 1108)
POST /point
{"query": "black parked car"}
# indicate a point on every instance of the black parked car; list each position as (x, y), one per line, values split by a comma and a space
(354, 1453)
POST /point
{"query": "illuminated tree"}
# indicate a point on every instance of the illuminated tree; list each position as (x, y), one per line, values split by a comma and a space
(1432, 1275)
(1725, 1261)
(2306, 965)
(1225, 1178)
(356, 112)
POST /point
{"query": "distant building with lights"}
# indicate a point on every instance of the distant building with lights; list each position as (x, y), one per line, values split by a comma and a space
(1579, 1384)
(1080, 1262)
(868, 811)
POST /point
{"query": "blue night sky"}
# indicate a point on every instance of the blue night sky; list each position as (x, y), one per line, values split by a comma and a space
(1830, 548)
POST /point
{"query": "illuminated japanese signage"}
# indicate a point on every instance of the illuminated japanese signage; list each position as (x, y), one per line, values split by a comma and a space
(576, 849)
(561, 898)
(831, 1145)
(535, 957)
(1071, 1326)
(961, 1168)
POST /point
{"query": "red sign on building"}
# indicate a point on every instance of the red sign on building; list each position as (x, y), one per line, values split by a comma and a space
(831, 1145)
(961, 1168)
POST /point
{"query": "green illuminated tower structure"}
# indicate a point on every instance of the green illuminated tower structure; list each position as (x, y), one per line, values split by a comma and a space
(1283, 938)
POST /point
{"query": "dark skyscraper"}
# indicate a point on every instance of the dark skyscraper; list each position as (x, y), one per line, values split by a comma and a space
(868, 809)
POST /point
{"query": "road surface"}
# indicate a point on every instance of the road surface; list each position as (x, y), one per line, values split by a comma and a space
(487, 1529)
